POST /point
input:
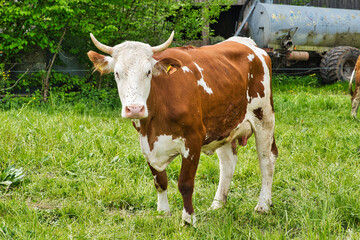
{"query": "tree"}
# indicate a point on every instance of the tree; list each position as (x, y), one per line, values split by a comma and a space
(28, 24)
(65, 24)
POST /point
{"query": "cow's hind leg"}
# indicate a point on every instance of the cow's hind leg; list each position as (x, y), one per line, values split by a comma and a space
(355, 100)
(267, 154)
(227, 158)
(161, 183)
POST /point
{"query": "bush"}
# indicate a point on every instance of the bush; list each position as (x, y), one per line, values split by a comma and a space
(64, 88)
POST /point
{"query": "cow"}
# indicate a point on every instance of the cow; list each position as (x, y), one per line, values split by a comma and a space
(188, 100)
(355, 96)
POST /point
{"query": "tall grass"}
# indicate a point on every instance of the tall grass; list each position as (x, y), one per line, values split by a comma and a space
(85, 176)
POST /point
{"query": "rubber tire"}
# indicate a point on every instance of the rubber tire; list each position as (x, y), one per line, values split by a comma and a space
(338, 64)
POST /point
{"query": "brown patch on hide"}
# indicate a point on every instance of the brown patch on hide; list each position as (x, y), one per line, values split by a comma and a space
(256, 82)
(258, 113)
(274, 149)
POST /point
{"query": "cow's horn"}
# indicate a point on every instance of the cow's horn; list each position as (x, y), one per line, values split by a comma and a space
(163, 46)
(100, 46)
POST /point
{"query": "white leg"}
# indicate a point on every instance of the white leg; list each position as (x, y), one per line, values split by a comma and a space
(267, 153)
(163, 204)
(267, 166)
(227, 161)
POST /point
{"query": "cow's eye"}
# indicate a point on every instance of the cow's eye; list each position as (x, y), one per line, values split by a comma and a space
(117, 75)
(148, 73)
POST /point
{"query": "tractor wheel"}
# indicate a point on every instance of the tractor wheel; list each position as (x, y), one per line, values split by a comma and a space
(338, 64)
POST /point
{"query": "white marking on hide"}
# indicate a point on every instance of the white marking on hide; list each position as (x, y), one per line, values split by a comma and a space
(163, 203)
(227, 161)
(267, 170)
(185, 69)
(202, 82)
(260, 53)
(243, 40)
(188, 218)
(251, 57)
(164, 151)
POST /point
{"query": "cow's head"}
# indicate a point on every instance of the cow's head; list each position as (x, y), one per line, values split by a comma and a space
(133, 67)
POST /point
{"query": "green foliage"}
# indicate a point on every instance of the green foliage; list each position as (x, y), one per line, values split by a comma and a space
(66, 89)
(29, 23)
(4, 77)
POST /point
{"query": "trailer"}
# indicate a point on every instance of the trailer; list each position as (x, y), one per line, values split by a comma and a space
(305, 37)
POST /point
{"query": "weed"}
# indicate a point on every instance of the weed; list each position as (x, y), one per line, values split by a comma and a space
(10, 177)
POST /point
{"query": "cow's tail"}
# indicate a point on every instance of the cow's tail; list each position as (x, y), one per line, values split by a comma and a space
(350, 83)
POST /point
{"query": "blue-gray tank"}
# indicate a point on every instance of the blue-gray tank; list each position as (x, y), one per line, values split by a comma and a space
(310, 28)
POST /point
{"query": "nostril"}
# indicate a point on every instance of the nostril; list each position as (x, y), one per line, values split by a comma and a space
(127, 109)
(142, 110)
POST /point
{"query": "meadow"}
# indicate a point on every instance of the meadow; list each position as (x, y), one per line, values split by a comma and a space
(75, 171)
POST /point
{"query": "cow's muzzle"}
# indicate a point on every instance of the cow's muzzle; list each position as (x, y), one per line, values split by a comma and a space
(135, 111)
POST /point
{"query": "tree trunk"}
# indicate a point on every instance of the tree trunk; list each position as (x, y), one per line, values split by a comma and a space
(206, 31)
(46, 84)
(99, 82)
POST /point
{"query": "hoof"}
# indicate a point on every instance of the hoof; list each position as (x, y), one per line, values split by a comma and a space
(188, 219)
(216, 204)
(263, 207)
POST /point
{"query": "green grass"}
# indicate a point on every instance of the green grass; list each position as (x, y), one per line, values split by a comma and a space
(85, 176)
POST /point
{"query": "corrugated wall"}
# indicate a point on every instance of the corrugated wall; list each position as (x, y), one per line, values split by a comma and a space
(349, 4)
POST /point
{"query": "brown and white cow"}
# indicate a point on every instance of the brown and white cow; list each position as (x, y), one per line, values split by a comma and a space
(355, 96)
(187, 100)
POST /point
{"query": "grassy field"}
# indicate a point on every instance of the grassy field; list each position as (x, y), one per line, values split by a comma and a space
(85, 176)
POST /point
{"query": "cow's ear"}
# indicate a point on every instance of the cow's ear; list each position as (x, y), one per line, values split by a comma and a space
(103, 64)
(166, 66)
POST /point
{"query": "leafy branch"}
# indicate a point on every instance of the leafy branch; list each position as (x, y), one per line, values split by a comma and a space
(6, 89)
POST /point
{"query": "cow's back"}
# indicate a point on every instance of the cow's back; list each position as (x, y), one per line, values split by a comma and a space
(211, 90)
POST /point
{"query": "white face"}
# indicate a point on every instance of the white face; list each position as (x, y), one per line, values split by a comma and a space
(133, 65)
(133, 82)
(133, 71)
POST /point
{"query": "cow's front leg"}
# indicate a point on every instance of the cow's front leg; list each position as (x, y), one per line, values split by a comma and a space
(161, 184)
(186, 185)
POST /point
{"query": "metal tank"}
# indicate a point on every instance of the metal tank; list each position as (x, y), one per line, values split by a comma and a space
(310, 28)
(326, 39)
